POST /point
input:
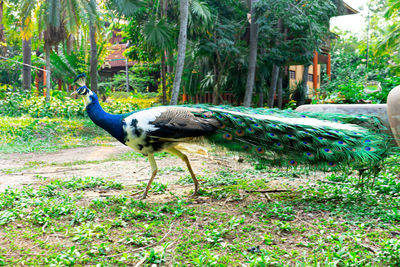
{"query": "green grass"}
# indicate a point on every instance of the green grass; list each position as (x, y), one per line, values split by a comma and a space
(26, 134)
(238, 219)
(329, 224)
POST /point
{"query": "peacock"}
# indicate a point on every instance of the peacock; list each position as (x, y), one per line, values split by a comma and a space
(283, 138)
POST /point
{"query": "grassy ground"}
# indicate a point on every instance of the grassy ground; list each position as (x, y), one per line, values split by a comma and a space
(26, 134)
(237, 220)
(89, 220)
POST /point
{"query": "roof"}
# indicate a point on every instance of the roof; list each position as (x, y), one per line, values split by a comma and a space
(116, 57)
(349, 10)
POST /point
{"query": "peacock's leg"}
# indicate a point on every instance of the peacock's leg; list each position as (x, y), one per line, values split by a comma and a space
(153, 166)
(183, 157)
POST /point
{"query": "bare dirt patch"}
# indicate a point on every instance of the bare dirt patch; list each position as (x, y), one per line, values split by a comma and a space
(17, 170)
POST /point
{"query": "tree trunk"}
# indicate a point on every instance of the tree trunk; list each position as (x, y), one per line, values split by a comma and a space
(48, 71)
(127, 74)
(252, 57)
(279, 89)
(163, 78)
(93, 58)
(27, 60)
(216, 87)
(261, 99)
(261, 95)
(170, 65)
(2, 36)
(180, 63)
(69, 43)
(303, 87)
(272, 87)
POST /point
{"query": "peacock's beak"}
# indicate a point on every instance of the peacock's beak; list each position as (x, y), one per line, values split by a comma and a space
(74, 93)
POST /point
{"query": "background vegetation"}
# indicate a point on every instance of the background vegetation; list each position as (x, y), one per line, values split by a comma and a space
(255, 216)
(217, 54)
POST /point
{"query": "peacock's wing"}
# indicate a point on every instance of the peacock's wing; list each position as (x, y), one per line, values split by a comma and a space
(181, 122)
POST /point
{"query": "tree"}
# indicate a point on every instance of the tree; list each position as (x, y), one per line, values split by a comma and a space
(252, 56)
(293, 30)
(27, 26)
(56, 19)
(149, 29)
(2, 36)
(93, 46)
(184, 13)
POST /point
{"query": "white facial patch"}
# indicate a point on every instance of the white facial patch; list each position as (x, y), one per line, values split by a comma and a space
(87, 98)
(296, 121)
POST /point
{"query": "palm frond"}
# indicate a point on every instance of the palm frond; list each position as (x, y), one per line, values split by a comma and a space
(127, 8)
(158, 34)
(200, 9)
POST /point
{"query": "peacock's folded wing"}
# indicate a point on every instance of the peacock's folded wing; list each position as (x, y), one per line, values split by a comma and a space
(181, 122)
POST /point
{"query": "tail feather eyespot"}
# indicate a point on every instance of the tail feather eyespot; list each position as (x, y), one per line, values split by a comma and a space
(239, 132)
(260, 150)
(246, 147)
(309, 155)
(222, 126)
(227, 136)
(292, 162)
(369, 149)
(327, 150)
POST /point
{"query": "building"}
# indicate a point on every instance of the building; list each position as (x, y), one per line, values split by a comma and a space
(115, 61)
(323, 58)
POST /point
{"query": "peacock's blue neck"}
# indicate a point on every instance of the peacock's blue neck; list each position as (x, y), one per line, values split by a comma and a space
(109, 122)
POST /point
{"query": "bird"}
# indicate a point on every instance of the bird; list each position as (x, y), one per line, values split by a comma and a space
(277, 137)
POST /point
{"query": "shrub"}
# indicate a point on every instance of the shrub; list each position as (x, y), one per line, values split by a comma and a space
(18, 103)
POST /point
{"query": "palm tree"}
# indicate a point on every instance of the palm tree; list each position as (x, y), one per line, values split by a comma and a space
(92, 6)
(184, 13)
(2, 37)
(252, 56)
(56, 19)
(27, 53)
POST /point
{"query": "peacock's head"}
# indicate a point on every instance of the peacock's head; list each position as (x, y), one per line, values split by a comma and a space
(80, 79)
(83, 90)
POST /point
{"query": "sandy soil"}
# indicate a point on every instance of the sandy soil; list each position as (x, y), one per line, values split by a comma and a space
(17, 170)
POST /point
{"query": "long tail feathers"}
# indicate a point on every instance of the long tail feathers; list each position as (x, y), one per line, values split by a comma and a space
(292, 138)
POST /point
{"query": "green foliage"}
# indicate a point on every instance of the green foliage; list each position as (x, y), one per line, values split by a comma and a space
(26, 134)
(142, 79)
(18, 103)
(86, 183)
(10, 72)
(350, 76)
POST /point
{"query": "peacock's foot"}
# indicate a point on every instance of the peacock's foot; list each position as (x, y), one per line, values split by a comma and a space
(144, 196)
(195, 193)
(139, 195)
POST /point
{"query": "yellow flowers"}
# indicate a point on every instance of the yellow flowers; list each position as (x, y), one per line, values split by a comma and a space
(126, 105)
